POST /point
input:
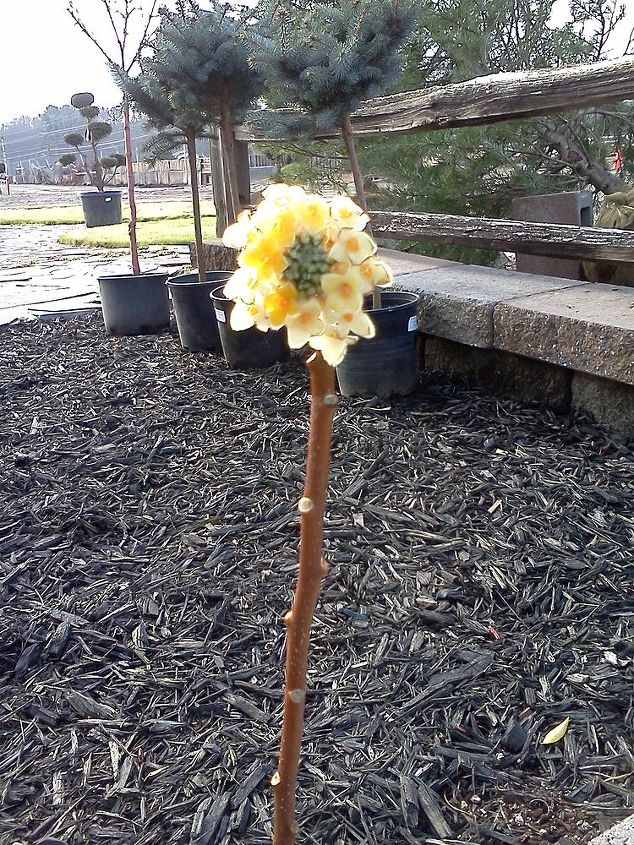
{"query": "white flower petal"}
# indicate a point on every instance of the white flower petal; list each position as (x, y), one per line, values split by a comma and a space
(363, 326)
(338, 303)
(241, 317)
(298, 334)
(237, 287)
(348, 214)
(283, 194)
(332, 348)
(353, 246)
(235, 236)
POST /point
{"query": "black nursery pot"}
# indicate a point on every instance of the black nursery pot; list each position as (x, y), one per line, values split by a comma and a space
(101, 208)
(251, 348)
(194, 310)
(387, 364)
(134, 305)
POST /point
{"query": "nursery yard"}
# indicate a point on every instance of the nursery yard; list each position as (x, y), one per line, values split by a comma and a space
(480, 592)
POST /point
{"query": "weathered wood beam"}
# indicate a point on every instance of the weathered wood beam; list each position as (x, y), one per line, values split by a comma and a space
(507, 235)
(487, 99)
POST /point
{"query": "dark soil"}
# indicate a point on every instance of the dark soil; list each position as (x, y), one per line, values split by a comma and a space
(480, 592)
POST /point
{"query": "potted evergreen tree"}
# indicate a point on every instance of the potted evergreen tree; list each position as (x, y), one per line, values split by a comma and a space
(136, 303)
(197, 75)
(101, 207)
(326, 59)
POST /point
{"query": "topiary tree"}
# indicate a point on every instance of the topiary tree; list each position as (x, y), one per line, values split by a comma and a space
(96, 131)
(197, 75)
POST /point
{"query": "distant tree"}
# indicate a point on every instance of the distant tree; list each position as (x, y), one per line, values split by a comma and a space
(478, 170)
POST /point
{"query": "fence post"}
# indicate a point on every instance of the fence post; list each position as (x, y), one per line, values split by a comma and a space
(243, 172)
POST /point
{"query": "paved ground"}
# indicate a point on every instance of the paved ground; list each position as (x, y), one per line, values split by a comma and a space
(38, 274)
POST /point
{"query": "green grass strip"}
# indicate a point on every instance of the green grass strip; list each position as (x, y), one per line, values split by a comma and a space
(58, 215)
(167, 231)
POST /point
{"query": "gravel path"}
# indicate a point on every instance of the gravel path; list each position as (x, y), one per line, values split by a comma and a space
(37, 196)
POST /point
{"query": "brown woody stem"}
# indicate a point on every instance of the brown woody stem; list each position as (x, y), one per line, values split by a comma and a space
(229, 160)
(351, 148)
(312, 569)
(217, 181)
(590, 171)
(127, 137)
(198, 234)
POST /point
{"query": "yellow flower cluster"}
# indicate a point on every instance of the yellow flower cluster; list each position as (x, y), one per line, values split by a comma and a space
(305, 263)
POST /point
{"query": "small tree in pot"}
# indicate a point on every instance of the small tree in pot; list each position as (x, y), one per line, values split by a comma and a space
(136, 303)
(124, 21)
(196, 76)
(327, 58)
(131, 305)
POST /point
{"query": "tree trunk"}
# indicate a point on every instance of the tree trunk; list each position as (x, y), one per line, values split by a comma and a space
(98, 170)
(230, 199)
(243, 171)
(351, 149)
(229, 160)
(312, 569)
(218, 185)
(127, 137)
(198, 234)
(597, 175)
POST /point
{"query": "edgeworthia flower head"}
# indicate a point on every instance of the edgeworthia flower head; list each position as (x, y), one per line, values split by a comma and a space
(305, 263)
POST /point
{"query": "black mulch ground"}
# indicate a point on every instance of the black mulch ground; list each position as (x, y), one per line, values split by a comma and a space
(481, 591)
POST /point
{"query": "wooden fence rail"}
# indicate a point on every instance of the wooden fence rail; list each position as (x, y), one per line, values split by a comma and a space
(509, 235)
(487, 99)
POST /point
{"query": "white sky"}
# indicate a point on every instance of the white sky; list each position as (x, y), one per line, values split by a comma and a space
(45, 59)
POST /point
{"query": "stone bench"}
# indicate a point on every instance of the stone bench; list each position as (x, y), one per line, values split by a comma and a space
(561, 342)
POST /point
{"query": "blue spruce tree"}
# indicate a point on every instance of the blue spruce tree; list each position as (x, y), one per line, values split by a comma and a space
(197, 75)
(327, 58)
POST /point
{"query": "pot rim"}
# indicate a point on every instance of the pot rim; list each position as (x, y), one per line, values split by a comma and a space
(98, 193)
(128, 277)
(183, 281)
(217, 294)
(412, 300)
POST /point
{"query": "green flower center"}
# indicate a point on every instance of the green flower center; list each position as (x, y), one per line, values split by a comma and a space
(307, 263)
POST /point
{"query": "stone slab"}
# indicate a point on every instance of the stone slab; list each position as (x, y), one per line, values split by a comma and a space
(457, 301)
(585, 327)
(500, 373)
(620, 834)
(404, 263)
(611, 403)
(570, 207)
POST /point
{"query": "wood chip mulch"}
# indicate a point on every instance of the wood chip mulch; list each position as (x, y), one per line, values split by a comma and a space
(481, 591)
